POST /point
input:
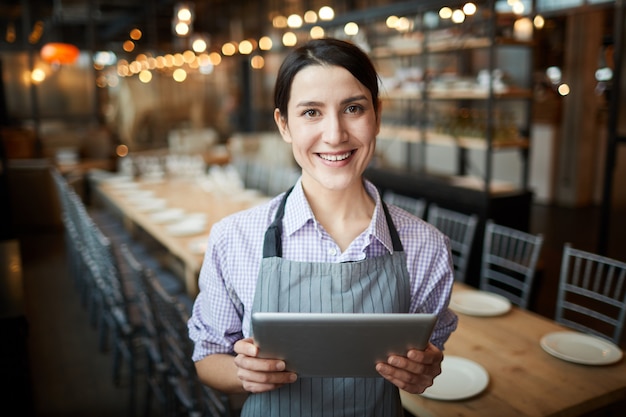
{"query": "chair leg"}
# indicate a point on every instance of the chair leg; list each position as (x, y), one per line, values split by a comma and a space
(116, 360)
(131, 382)
(103, 330)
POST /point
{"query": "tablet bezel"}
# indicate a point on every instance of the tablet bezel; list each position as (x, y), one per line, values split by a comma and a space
(339, 344)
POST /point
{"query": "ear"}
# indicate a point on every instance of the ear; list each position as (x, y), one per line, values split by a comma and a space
(281, 123)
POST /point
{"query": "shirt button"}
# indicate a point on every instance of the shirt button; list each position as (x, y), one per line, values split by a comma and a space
(332, 251)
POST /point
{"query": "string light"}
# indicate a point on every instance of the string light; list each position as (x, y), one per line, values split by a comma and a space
(265, 43)
(445, 13)
(257, 62)
(294, 21)
(135, 34)
(317, 32)
(229, 49)
(289, 39)
(351, 29)
(145, 76)
(469, 9)
(245, 47)
(326, 13)
(310, 16)
(179, 75)
(391, 22)
(539, 21)
(458, 16)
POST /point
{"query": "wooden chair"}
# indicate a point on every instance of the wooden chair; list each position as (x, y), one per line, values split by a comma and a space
(592, 294)
(509, 260)
(415, 206)
(460, 229)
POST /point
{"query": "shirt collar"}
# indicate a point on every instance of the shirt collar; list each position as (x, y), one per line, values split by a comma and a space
(298, 213)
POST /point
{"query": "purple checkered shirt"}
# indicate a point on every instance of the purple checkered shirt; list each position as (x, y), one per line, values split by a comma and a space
(221, 312)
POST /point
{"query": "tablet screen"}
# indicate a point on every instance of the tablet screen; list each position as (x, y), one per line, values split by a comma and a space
(339, 344)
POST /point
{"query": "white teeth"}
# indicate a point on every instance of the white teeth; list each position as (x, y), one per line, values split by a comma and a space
(336, 157)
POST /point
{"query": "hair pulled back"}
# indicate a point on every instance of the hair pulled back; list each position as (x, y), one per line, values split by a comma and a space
(327, 51)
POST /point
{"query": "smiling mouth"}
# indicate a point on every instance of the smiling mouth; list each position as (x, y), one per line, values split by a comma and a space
(335, 157)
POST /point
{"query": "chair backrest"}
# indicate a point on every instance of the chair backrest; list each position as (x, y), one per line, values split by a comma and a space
(191, 396)
(592, 293)
(509, 260)
(136, 300)
(62, 188)
(103, 266)
(415, 206)
(460, 229)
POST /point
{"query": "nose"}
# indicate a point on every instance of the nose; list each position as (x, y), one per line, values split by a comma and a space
(335, 130)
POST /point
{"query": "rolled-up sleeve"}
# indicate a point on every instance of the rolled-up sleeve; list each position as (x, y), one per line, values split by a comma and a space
(215, 324)
(430, 266)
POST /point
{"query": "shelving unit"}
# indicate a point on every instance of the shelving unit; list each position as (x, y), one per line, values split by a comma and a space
(437, 90)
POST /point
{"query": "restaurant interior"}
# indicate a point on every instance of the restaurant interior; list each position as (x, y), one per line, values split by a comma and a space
(128, 128)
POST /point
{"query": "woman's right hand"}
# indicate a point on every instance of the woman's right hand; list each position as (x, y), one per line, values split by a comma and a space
(257, 374)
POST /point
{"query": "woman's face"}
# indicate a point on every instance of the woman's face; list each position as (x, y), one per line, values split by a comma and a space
(332, 126)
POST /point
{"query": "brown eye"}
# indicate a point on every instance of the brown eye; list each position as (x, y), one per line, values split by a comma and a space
(354, 109)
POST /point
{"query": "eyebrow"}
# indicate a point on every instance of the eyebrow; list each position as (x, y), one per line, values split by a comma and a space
(344, 101)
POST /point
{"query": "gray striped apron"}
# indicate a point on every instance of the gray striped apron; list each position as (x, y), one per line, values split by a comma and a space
(373, 285)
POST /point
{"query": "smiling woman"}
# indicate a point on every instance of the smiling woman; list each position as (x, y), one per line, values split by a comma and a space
(328, 245)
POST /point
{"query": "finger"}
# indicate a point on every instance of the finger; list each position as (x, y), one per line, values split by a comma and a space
(412, 383)
(246, 347)
(264, 381)
(409, 365)
(258, 364)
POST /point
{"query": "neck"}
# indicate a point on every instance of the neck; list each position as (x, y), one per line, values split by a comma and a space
(344, 214)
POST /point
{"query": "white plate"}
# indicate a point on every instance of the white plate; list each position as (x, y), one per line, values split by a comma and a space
(479, 303)
(168, 216)
(123, 185)
(186, 228)
(139, 196)
(150, 205)
(460, 378)
(581, 348)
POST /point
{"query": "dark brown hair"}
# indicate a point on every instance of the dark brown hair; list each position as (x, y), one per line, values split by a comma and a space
(326, 51)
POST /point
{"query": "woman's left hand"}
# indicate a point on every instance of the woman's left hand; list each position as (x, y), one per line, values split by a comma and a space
(414, 372)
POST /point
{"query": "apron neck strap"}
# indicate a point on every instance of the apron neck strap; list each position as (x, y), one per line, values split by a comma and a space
(393, 232)
(272, 245)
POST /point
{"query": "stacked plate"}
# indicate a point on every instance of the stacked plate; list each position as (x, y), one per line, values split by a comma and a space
(191, 224)
(168, 215)
(149, 204)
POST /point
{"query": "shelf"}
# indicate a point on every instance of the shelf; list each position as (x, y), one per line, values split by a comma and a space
(413, 135)
(446, 45)
(512, 93)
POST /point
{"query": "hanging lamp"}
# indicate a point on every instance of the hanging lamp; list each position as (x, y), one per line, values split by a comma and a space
(59, 53)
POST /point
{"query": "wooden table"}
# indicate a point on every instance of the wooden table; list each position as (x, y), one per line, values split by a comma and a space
(184, 194)
(524, 379)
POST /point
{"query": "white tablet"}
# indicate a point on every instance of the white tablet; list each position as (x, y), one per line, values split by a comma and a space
(339, 344)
